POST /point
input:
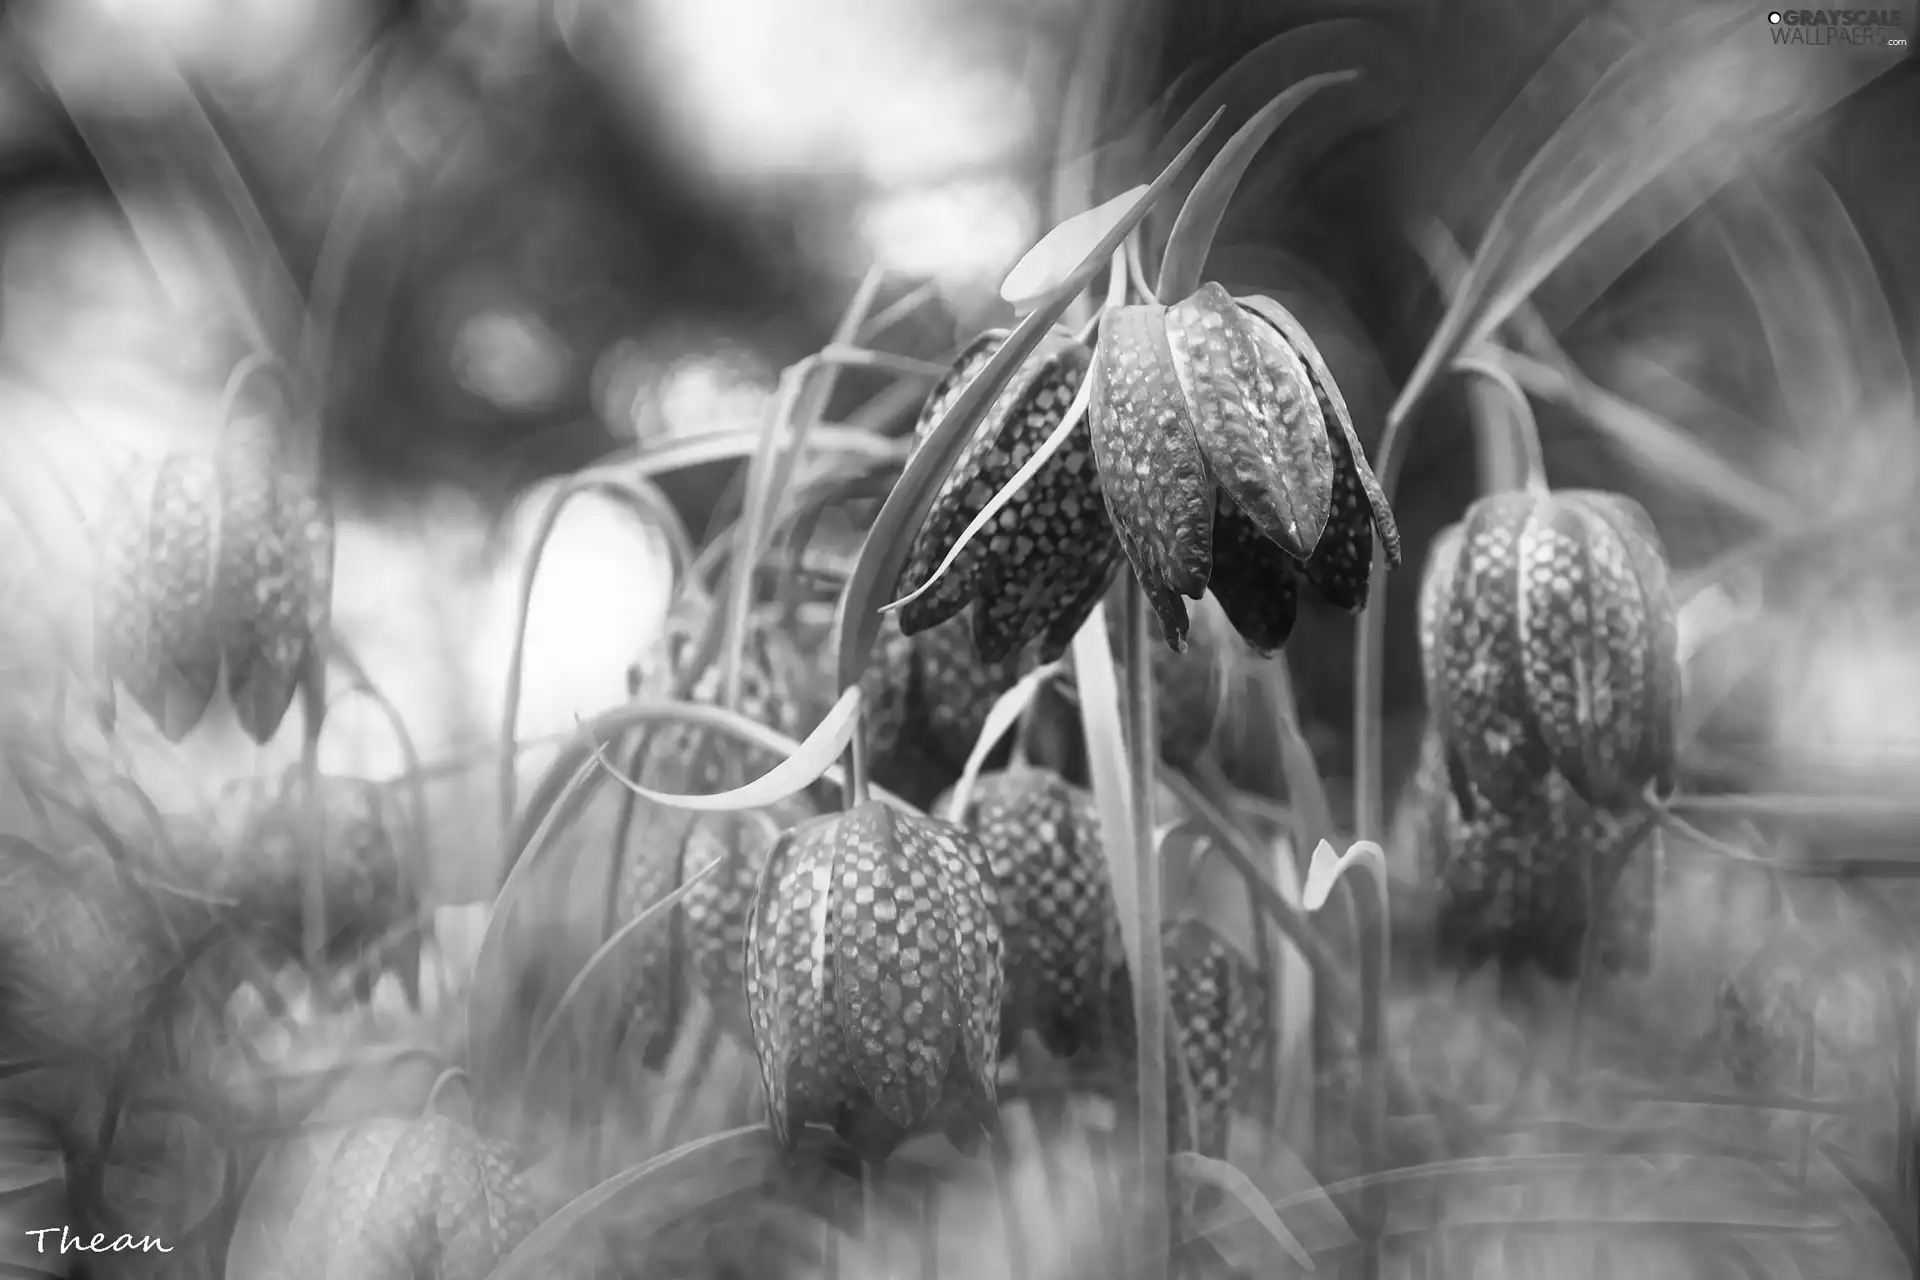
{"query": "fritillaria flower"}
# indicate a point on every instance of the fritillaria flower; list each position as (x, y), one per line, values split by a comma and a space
(397, 1199)
(1550, 642)
(1042, 838)
(212, 561)
(1527, 889)
(1041, 566)
(874, 980)
(1230, 463)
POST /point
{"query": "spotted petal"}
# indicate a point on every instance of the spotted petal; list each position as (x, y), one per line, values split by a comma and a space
(1024, 415)
(1436, 595)
(1256, 416)
(1659, 699)
(180, 567)
(1582, 626)
(1151, 468)
(126, 649)
(789, 979)
(265, 587)
(1335, 408)
(896, 996)
(1486, 719)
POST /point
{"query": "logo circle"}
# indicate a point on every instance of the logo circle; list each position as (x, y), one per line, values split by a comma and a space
(1774, 18)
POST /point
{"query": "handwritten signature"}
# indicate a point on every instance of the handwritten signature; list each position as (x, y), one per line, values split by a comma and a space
(101, 1242)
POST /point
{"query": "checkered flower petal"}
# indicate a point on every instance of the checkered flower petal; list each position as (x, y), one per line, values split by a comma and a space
(1037, 570)
(1042, 839)
(874, 980)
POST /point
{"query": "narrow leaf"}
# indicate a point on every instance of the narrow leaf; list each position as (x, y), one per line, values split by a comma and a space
(1645, 117)
(1328, 45)
(1323, 872)
(1001, 717)
(1223, 1177)
(890, 540)
(1664, 451)
(1098, 684)
(1192, 236)
(650, 1198)
(798, 771)
(1011, 490)
(1056, 259)
(1326, 869)
(622, 936)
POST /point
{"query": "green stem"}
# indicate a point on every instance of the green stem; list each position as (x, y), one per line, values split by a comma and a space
(1149, 984)
(1522, 429)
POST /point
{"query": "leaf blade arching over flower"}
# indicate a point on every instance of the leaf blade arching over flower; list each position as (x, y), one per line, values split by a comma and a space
(1019, 530)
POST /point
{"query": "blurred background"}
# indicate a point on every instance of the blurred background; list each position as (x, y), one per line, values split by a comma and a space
(520, 234)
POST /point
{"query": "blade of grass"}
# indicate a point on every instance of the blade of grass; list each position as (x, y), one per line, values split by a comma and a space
(1114, 787)
(808, 762)
(589, 482)
(650, 1198)
(805, 390)
(1336, 44)
(1223, 1177)
(603, 955)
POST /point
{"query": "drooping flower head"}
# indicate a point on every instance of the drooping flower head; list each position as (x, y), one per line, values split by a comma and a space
(1550, 645)
(874, 980)
(396, 1199)
(1042, 838)
(212, 561)
(1528, 889)
(1230, 463)
(1044, 562)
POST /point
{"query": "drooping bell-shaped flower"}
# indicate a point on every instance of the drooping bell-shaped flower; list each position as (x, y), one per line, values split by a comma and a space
(1042, 838)
(1229, 462)
(1527, 889)
(874, 980)
(1219, 1004)
(1042, 565)
(213, 560)
(1550, 645)
(717, 907)
(398, 1199)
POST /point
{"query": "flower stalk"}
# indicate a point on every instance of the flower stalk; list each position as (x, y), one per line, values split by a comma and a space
(1322, 873)
(1149, 983)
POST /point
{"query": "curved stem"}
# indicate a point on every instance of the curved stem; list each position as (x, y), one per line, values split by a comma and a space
(1525, 430)
(590, 481)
